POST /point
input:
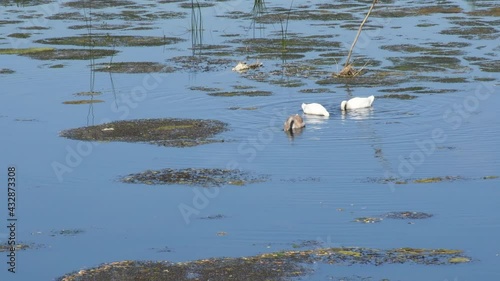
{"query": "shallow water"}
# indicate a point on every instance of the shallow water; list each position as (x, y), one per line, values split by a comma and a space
(319, 181)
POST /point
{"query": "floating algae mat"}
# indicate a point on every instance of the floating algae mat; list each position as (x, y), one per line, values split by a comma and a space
(190, 176)
(59, 54)
(111, 41)
(284, 265)
(134, 67)
(166, 132)
(82, 101)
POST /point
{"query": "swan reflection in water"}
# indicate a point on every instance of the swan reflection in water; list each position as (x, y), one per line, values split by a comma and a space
(358, 114)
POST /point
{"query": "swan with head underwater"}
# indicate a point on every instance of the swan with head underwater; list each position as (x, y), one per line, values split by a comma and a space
(314, 109)
(293, 122)
(357, 102)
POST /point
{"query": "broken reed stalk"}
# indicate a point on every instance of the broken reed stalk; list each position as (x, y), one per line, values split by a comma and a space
(348, 69)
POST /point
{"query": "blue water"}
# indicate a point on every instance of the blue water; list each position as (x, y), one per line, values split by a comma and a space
(319, 181)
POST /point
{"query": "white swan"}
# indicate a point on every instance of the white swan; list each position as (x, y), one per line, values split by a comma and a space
(314, 109)
(294, 122)
(357, 103)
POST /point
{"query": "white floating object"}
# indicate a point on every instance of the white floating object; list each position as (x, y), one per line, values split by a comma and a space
(314, 109)
(357, 102)
(243, 66)
(294, 122)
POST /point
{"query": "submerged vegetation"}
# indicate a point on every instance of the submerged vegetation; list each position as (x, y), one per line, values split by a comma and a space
(283, 265)
(190, 176)
(166, 132)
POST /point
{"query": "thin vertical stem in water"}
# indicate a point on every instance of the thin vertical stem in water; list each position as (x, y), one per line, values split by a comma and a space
(259, 8)
(196, 25)
(88, 23)
(284, 30)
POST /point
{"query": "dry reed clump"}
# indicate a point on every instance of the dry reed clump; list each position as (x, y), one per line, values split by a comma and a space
(349, 70)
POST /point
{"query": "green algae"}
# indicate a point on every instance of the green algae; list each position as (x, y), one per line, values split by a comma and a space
(23, 51)
(282, 265)
(254, 93)
(67, 232)
(183, 133)
(194, 177)
(368, 220)
(93, 93)
(407, 215)
(316, 91)
(20, 35)
(134, 67)
(459, 260)
(70, 54)
(110, 40)
(6, 71)
(34, 27)
(425, 63)
(82, 101)
(243, 108)
(85, 4)
(201, 63)
(204, 89)
(4, 247)
(398, 96)
(489, 12)
(59, 65)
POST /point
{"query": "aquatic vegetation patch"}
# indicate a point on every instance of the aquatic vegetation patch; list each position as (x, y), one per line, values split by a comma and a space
(407, 215)
(134, 67)
(94, 93)
(491, 65)
(294, 44)
(254, 93)
(34, 27)
(20, 35)
(85, 4)
(82, 101)
(201, 63)
(196, 4)
(23, 51)
(308, 15)
(283, 265)
(243, 108)
(59, 65)
(425, 63)
(437, 179)
(475, 32)
(489, 12)
(316, 91)
(4, 247)
(67, 232)
(204, 89)
(2, 22)
(398, 96)
(111, 40)
(426, 180)
(69, 54)
(290, 83)
(191, 176)
(214, 217)
(76, 16)
(166, 132)
(6, 71)
(368, 219)
(102, 26)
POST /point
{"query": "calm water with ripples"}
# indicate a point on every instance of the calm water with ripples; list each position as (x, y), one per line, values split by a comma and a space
(336, 170)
